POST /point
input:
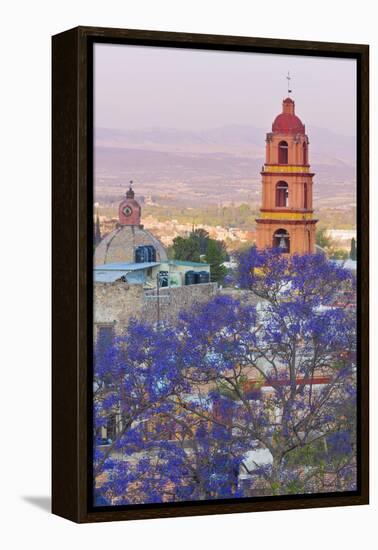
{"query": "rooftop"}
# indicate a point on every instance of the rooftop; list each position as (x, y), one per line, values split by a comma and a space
(189, 264)
(133, 273)
(109, 273)
(125, 266)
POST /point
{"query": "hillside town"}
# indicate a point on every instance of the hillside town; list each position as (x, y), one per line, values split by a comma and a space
(218, 399)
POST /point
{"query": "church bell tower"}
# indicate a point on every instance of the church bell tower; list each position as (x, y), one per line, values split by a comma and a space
(129, 211)
(286, 213)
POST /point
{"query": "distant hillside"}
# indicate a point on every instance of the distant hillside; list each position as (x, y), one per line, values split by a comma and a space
(213, 165)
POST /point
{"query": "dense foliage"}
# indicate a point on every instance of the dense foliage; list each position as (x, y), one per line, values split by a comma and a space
(199, 246)
(241, 397)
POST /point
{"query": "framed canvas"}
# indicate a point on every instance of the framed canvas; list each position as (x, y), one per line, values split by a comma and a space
(210, 274)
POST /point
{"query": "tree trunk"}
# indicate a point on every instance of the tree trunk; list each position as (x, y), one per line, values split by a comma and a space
(275, 478)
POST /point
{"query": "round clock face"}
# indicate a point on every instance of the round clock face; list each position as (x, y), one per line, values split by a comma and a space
(127, 211)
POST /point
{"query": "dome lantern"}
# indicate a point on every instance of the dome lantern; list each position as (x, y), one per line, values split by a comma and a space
(287, 122)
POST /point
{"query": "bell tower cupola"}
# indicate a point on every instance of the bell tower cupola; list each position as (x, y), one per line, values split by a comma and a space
(129, 211)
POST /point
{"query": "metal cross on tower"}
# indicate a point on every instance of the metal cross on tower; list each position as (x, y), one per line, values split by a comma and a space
(288, 78)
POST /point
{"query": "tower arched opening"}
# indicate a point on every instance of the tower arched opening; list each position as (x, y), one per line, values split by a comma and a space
(281, 240)
(283, 152)
(282, 194)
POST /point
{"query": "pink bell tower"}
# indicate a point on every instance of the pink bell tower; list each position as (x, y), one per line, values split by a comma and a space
(286, 215)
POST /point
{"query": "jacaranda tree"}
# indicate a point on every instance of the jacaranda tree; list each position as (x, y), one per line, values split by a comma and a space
(292, 373)
(133, 378)
(270, 375)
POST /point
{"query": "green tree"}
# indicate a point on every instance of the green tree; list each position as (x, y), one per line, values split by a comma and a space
(201, 237)
(199, 243)
(215, 257)
(186, 249)
(170, 252)
(223, 250)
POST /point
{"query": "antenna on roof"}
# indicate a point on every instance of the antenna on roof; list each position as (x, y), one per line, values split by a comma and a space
(288, 78)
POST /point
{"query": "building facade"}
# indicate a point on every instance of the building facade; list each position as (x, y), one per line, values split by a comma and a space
(286, 215)
(133, 277)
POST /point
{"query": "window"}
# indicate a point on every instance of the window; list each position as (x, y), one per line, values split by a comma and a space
(282, 194)
(283, 152)
(281, 239)
(145, 253)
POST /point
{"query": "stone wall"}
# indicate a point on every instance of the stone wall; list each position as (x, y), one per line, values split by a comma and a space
(118, 302)
(174, 300)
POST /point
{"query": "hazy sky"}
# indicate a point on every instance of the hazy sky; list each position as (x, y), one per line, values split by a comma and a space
(141, 87)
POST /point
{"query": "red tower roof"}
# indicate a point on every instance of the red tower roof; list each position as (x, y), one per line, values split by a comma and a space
(287, 122)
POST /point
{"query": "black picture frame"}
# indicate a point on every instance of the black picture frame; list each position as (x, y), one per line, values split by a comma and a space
(72, 234)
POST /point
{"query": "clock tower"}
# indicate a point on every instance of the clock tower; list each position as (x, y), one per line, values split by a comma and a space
(125, 243)
(129, 211)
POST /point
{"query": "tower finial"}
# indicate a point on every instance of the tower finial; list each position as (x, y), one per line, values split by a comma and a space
(288, 78)
(130, 192)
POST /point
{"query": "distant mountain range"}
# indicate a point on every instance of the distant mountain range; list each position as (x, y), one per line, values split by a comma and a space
(218, 164)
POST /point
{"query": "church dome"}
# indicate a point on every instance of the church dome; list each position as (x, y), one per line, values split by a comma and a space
(120, 245)
(287, 122)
